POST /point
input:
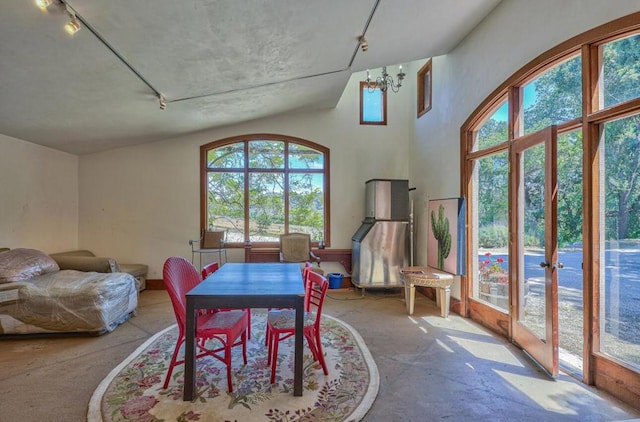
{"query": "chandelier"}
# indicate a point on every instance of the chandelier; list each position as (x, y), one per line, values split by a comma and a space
(385, 82)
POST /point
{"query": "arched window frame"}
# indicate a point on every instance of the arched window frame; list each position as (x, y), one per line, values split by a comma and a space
(599, 368)
(247, 139)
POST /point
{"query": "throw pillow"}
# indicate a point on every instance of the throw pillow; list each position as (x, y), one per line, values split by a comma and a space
(22, 264)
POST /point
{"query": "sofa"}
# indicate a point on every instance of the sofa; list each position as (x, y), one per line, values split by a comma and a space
(85, 260)
(37, 296)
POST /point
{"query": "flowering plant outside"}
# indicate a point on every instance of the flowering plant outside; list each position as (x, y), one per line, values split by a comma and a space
(491, 270)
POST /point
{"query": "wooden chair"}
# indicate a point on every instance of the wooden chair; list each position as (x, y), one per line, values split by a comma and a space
(230, 328)
(296, 247)
(212, 268)
(211, 241)
(281, 323)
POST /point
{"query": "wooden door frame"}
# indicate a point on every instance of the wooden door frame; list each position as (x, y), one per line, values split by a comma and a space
(546, 353)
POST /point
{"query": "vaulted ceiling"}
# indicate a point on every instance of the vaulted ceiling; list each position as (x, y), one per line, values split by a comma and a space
(217, 62)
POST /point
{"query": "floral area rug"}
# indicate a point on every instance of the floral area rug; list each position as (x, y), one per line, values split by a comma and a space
(133, 391)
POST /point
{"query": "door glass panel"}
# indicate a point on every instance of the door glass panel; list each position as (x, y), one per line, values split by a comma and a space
(620, 274)
(570, 300)
(532, 217)
(490, 222)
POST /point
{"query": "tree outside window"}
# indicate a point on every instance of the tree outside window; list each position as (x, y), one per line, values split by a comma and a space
(260, 186)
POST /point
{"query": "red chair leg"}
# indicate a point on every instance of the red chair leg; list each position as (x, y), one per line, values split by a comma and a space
(174, 358)
(274, 357)
(320, 352)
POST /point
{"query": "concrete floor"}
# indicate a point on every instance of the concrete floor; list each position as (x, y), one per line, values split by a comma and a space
(430, 368)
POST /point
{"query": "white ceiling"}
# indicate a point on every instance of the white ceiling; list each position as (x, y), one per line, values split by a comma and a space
(217, 62)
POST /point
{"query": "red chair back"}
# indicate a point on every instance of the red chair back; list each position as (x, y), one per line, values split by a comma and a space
(210, 269)
(179, 276)
(317, 286)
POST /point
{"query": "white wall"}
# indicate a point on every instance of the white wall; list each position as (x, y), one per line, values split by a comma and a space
(142, 203)
(516, 32)
(38, 197)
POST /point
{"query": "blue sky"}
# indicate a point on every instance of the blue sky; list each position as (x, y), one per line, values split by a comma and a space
(529, 98)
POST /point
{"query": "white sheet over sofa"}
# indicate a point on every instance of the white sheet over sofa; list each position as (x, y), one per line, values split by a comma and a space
(67, 301)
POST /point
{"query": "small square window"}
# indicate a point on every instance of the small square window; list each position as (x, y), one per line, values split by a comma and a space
(373, 105)
(424, 88)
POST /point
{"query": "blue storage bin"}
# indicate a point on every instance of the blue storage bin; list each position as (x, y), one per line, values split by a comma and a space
(335, 280)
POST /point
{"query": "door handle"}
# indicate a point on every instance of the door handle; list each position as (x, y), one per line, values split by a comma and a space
(558, 265)
(544, 265)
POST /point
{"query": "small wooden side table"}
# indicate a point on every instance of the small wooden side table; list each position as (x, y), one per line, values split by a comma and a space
(428, 277)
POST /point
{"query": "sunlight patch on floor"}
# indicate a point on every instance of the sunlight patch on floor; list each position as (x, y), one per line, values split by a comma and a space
(554, 395)
(495, 352)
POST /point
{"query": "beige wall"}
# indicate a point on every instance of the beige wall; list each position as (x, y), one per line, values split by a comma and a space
(38, 197)
(142, 203)
(516, 32)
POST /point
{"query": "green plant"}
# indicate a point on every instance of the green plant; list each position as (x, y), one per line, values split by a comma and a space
(441, 233)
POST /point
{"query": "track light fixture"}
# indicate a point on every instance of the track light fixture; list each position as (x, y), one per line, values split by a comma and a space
(72, 26)
(163, 103)
(364, 45)
(43, 4)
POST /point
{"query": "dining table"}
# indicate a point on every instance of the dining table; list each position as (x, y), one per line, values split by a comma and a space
(246, 285)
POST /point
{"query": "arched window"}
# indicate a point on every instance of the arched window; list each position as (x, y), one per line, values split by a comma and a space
(552, 176)
(259, 186)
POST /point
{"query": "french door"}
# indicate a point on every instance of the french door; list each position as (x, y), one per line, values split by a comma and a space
(534, 200)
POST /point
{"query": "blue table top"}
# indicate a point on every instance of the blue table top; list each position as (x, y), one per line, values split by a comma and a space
(267, 279)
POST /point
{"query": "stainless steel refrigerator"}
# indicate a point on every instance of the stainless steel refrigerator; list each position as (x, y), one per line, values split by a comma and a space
(381, 243)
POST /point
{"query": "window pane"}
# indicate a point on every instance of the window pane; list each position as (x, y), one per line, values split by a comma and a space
(225, 204)
(620, 274)
(554, 97)
(570, 299)
(266, 154)
(621, 68)
(306, 204)
(266, 206)
(372, 105)
(494, 130)
(301, 157)
(230, 156)
(490, 228)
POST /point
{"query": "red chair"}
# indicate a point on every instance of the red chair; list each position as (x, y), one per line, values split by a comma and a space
(281, 323)
(230, 328)
(305, 272)
(211, 268)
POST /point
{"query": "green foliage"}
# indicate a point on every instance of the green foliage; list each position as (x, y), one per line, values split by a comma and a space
(266, 189)
(442, 234)
(493, 236)
(558, 99)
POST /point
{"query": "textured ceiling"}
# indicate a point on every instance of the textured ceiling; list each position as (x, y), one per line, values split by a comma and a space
(217, 62)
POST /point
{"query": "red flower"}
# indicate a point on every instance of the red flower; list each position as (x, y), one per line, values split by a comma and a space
(487, 254)
(500, 260)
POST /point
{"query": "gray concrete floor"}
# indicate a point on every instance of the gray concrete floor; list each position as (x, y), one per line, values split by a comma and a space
(430, 368)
